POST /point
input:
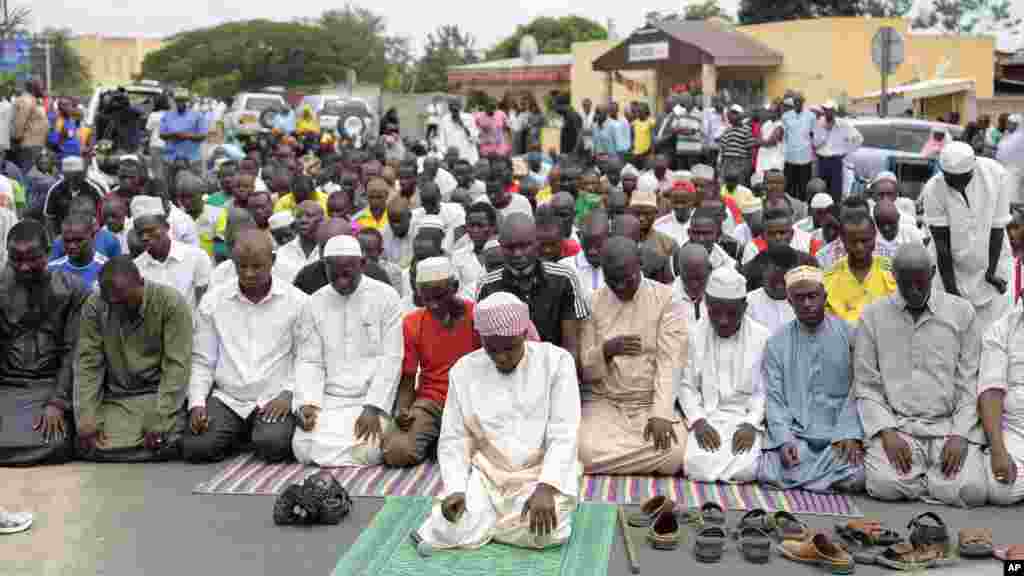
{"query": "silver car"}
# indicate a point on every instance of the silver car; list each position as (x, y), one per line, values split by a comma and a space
(895, 144)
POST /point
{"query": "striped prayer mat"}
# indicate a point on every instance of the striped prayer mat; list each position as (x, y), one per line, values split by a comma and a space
(385, 547)
(248, 475)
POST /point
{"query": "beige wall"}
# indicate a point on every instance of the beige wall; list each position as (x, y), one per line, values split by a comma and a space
(114, 60)
(588, 83)
(827, 58)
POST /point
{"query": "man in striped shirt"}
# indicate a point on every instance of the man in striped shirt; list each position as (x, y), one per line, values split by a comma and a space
(736, 146)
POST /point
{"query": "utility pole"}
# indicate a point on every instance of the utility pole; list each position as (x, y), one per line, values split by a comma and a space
(47, 47)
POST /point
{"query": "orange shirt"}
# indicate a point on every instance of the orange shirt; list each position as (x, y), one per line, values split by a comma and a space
(434, 349)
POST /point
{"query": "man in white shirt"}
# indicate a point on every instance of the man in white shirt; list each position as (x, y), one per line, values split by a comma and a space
(720, 390)
(676, 224)
(769, 305)
(243, 361)
(458, 130)
(397, 239)
(834, 138)
(967, 208)
(302, 250)
(587, 262)
(693, 268)
(706, 229)
(452, 215)
(508, 440)
(481, 226)
(166, 261)
(346, 373)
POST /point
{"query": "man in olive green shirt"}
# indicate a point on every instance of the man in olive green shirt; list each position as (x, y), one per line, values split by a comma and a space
(134, 359)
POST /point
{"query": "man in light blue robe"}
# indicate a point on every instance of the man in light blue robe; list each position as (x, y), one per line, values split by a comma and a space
(814, 439)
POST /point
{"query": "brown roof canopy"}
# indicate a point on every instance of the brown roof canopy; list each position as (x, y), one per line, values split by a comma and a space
(686, 42)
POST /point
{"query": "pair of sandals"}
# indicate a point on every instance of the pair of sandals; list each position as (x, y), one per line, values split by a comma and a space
(318, 500)
(757, 528)
(861, 536)
(928, 546)
(658, 515)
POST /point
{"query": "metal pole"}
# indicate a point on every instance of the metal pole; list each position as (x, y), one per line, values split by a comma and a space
(49, 67)
(885, 72)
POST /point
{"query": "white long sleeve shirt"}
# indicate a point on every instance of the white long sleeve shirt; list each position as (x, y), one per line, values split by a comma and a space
(185, 269)
(464, 138)
(351, 346)
(245, 351)
(840, 140)
(536, 407)
(722, 378)
(290, 259)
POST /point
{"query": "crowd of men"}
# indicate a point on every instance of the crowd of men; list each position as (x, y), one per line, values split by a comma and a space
(524, 321)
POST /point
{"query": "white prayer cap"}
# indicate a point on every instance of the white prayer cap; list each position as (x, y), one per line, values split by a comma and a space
(757, 178)
(883, 176)
(829, 105)
(430, 221)
(643, 198)
(131, 158)
(647, 183)
(281, 220)
(787, 101)
(72, 164)
(1014, 119)
(703, 172)
(143, 206)
(726, 284)
(821, 200)
(492, 243)
(629, 170)
(434, 270)
(682, 175)
(957, 158)
(343, 246)
(736, 108)
(805, 274)
(678, 110)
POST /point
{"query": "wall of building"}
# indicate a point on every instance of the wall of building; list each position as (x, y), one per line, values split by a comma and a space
(588, 83)
(830, 58)
(113, 61)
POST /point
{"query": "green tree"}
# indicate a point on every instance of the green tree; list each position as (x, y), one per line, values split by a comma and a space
(401, 66)
(761, 11)
(553, 35)
(705, 10)
(968, 16)
(447, 46)
(68, 70)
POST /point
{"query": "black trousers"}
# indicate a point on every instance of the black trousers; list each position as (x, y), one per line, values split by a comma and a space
(227, 432)
(830, 169)
(797, 177)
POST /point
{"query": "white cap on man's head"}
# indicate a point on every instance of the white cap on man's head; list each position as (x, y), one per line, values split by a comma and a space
(144, 206)
(821, 200)
(344, 245)
(957, 158)
(281, 219)
(736, 108)
(72, 164)
(726, 284)
(829, 105)
(703, 172)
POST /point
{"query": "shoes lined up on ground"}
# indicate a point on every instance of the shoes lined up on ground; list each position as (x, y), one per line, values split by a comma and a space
(318, 500)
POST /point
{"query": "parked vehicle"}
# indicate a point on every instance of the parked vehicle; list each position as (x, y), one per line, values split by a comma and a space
(895, 144)
(247, 108)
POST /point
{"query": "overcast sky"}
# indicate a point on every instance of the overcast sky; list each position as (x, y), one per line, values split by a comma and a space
(488, 21)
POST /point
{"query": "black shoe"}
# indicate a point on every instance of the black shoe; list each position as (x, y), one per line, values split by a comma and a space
(293, 506)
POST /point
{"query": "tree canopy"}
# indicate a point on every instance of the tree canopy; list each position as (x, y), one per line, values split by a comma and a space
(447, 46)
(968, 16)
(761, 11)
(553, 35)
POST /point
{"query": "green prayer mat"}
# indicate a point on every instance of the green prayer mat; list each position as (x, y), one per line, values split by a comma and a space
(385, 547)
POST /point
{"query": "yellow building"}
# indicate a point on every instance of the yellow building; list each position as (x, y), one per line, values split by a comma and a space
(114, 60)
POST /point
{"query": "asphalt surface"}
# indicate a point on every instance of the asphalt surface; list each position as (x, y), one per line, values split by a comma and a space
(142, 519)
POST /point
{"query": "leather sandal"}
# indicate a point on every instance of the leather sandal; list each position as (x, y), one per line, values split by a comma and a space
(649, 511)
(664, 531)
(927, 529)
(756, 518)
(975, 542)
(712, 513)
(789, 527)
(709, 544)
(821, 551)
(755, 545)
(867, 533)
(907, 557)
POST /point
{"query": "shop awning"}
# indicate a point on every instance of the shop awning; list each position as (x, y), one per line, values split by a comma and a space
(687, 42)
(926, 89)
(544, 68)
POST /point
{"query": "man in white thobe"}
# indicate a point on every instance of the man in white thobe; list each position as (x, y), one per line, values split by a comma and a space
(720, 390)
(508, 440)
(693, 268)
(346, 373)
(768, 305)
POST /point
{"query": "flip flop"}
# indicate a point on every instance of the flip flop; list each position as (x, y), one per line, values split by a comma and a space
(755, 545)
(756, 518)
(709, 544)
(649, 511)
(712, 513)
(789, 527)
(975, 542)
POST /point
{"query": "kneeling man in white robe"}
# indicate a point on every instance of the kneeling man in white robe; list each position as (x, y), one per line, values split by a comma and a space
(720, 390)
(348, 359)
(508, 440)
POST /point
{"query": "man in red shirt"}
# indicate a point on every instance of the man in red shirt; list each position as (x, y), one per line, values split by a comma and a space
(436, 336)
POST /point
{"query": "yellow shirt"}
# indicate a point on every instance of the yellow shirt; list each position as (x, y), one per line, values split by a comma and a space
(847, 296)
(287, 202)
(544, 195)
(642, 130)
(364, 218)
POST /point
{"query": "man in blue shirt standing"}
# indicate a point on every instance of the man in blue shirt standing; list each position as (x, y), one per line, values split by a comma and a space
(182, 130)
(620, 130)
(797, 130)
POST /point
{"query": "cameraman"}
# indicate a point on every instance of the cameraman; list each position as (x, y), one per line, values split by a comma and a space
(182, 130)
(120, 122)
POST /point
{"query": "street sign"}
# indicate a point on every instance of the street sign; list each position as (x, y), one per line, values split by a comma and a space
(887, 36)
(887, 55)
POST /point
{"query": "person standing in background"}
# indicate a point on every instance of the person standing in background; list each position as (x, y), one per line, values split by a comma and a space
(797, 128)
(30, 125)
